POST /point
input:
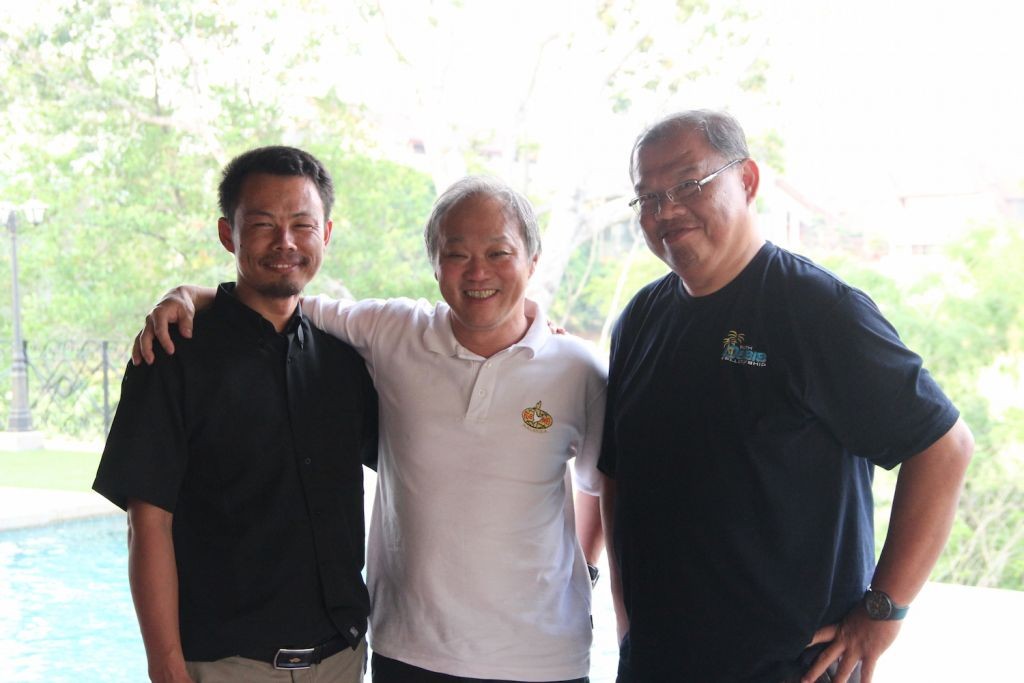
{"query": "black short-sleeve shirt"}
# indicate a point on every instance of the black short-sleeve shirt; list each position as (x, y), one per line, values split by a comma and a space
(742, 430)
(254, 440)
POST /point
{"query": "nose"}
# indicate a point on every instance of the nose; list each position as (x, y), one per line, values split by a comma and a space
(476, 269)
(665, 211)
(668, 209)
(284, 239)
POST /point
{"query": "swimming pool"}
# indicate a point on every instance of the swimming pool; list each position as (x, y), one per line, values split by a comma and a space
(66, 612)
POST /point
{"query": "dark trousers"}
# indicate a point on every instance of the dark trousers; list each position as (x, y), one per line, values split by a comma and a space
(387, 670)
(830, 675)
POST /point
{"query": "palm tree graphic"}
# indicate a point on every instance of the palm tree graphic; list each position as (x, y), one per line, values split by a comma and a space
(735, 338)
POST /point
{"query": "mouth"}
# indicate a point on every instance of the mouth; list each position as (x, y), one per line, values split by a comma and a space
(674, 232)
(479, 293)
(283, 266)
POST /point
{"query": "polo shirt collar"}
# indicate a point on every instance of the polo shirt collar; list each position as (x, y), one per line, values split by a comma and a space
(538, 334)
(439, 338)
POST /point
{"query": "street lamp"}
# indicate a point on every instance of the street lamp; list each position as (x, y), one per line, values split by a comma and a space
(20, 419)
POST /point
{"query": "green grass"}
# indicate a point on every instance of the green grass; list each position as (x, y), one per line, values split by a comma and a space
(41, 469)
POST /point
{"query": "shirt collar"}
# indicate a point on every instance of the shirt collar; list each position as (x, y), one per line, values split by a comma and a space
(439, 338)
(250, 322)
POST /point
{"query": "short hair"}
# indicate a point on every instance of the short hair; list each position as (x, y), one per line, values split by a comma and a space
(275, 160)
(516, 206)
(721, 130)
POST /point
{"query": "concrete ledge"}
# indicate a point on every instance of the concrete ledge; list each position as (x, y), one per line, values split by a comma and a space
(957, 633)
(21, 507)
(21, 441)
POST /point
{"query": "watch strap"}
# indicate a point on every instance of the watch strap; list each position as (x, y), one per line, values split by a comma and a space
(898, 612)
(894, 613)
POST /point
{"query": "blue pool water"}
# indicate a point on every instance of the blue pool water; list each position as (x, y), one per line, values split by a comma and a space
(65, 609)
(66, 612)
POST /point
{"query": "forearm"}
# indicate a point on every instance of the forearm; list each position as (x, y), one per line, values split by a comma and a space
(588, 526)
(201, 296)
(153, 578)
(178, 306)
(614, 577)
(927, 491)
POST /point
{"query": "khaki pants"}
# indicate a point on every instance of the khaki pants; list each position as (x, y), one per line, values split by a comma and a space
(346, 666)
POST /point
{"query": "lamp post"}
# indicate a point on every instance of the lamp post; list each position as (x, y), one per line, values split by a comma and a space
(20, 419)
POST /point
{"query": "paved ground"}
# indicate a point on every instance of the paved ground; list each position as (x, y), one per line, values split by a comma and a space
(34, 507)
(958, 633)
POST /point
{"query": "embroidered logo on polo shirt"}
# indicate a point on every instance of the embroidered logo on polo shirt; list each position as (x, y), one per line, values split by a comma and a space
(537, 419)
(735, 351)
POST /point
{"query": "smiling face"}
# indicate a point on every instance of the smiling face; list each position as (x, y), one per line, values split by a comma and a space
(278, 235)
(483, 270)
(709, 238)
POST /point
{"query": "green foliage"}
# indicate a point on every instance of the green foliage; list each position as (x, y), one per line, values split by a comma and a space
(964, 324)
(46, 469)
(769, 150)
(377, 249)
(125, 114)
(672, 50)
(601, 277)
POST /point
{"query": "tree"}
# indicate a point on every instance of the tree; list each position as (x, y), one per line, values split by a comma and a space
(968, 325)
(618, 65)
(121, 115)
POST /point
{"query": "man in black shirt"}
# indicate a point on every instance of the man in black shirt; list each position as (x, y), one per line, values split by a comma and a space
(751, 393)
(239, 459)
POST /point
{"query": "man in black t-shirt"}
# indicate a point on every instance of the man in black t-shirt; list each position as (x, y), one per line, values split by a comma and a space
(751, 393)
(239, 459)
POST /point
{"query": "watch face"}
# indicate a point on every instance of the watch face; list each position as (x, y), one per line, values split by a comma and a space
(878, 605)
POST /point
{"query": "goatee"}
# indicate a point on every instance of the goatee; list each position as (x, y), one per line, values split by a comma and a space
(279, 290)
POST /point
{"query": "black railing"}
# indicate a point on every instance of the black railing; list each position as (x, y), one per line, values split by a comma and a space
(73, 387)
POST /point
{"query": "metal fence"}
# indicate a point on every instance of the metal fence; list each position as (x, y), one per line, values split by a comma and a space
(73, 386)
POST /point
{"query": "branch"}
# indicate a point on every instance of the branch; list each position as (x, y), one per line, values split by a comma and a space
(402, 59)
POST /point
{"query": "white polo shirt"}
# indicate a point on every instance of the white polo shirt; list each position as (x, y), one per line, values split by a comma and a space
(473, 564)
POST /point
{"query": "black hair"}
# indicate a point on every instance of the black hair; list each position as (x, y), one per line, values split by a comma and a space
(275, 160)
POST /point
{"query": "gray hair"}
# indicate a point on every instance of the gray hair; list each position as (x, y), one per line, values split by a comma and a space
(516, 206)
(721, 130)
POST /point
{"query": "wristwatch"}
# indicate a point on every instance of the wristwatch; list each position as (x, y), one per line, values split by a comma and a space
(880, 606)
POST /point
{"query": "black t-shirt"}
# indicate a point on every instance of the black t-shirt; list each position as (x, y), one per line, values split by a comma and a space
(742, 429)
(254, 440)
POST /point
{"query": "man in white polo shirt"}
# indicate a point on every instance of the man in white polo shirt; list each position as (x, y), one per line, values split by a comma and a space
(473, 564)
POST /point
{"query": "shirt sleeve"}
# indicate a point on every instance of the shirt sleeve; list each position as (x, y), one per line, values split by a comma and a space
(869, 388)
(588, 477)
(606, 461)
(145, 455)
(353, 322)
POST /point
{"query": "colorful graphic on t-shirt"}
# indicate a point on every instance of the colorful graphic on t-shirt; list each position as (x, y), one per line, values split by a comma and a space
(537, 419)
(735, 351)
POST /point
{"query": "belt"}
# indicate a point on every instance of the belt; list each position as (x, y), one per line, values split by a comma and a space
(303, 658)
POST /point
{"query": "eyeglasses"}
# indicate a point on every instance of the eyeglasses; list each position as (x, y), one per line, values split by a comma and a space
(650, 204)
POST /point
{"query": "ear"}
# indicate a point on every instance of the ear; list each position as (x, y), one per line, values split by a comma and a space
(533, 263)
(328, 227)
(226, 235)
(751, 179)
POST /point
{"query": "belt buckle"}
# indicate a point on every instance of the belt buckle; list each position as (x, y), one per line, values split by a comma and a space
(294, 659)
